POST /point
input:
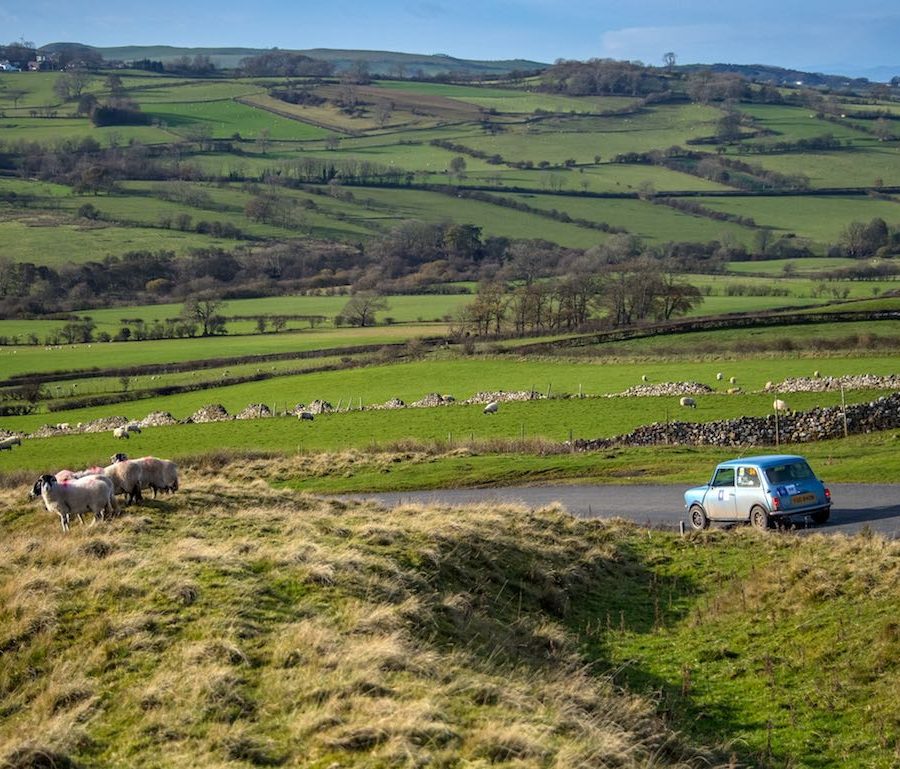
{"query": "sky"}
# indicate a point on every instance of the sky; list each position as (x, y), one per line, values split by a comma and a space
(858, 38)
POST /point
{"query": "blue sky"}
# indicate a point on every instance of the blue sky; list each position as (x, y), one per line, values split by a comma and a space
(836, 36)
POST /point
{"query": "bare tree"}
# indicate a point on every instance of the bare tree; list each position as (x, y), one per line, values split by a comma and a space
(204, 311)
(361, 309)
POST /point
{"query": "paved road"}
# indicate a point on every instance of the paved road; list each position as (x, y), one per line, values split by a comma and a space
(855, 505)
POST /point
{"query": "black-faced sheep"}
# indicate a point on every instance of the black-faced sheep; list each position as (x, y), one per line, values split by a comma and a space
(92, 493)
(121, 432)
(7, 443)
(688, 402)
(306, 415)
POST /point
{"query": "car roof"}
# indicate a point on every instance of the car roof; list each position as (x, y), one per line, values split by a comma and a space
(764, 460)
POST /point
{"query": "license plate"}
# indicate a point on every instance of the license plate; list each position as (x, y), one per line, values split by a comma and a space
(803, 499)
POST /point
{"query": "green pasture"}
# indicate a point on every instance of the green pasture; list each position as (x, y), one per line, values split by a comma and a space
(651, 221)
(27, 359)
(514, 101)
(554, 420)
(224, 118)
(494, 220)
(53, 130)
(794, 123)
(819, 218)
(778, 339)
(810, 264)
(582, 139)
(55, 239)
(462, 378)
(876, 165)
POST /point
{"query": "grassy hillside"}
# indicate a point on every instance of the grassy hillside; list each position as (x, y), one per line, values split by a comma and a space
(233, 625)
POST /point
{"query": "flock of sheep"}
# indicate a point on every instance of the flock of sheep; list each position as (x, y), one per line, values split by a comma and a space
(74, 493)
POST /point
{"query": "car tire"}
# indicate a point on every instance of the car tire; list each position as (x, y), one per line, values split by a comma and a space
(759, 518)
(820, 516)
(698, 517)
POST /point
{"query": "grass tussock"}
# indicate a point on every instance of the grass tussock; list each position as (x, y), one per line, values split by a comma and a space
(239, 624)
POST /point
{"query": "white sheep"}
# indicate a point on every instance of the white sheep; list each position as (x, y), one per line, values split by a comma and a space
(720, 376)
(121, 433)
(77, 496)
(157, 474)
(644, 378)
(688, 402)
(492, 408)
(7, 443)
(780, 405)
(127, 478)
(732, 380)
(817, 373)
(306, 415)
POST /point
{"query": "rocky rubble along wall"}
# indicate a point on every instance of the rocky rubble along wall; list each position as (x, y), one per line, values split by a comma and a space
(814, 425)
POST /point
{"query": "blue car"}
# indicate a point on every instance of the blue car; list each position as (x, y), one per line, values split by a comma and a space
(762, 490)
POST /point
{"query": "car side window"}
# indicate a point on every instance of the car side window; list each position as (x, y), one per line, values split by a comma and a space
(747, 477)
(724, 477)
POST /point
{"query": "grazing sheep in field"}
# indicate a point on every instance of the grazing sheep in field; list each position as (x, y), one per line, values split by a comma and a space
(157, 474)
(732, 380)
(720, 376)
(780, 405)
(126, 478)
(121, 432)
(644, 378)
(492, 408)
(306, 415)
(133, 427)
(7, 443)
(688, 402)
(75, 497)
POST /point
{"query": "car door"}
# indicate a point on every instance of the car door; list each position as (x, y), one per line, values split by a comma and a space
(720, 500)
(748, 491)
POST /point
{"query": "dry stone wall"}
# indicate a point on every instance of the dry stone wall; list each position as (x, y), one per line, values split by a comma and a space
(814, 425)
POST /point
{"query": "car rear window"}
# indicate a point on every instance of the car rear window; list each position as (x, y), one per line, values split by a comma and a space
(789, 472)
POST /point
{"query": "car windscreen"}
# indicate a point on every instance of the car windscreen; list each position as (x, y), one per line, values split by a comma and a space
(789, 472)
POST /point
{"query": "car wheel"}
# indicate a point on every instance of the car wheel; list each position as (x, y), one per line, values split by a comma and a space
(699, 518)
(820, 516)
(759, 518)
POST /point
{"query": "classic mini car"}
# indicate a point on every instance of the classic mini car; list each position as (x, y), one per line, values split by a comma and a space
(762, 490)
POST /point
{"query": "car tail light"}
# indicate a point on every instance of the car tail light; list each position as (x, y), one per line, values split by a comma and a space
(776, 502)
(828, 494)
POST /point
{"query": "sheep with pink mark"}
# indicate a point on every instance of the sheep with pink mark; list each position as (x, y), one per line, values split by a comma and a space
(161, 475)
(76, 496)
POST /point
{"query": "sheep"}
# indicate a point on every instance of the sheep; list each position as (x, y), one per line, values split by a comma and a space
(121, 433)
(688, 402)
(644, 378)
(126, 478)
(157, 474)
(720, 376)
(7, 443)
(307, 415)
(76, 496)
(817, 373)
(133, 427)
(492, 407)
(732, 380)
(780, 405)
